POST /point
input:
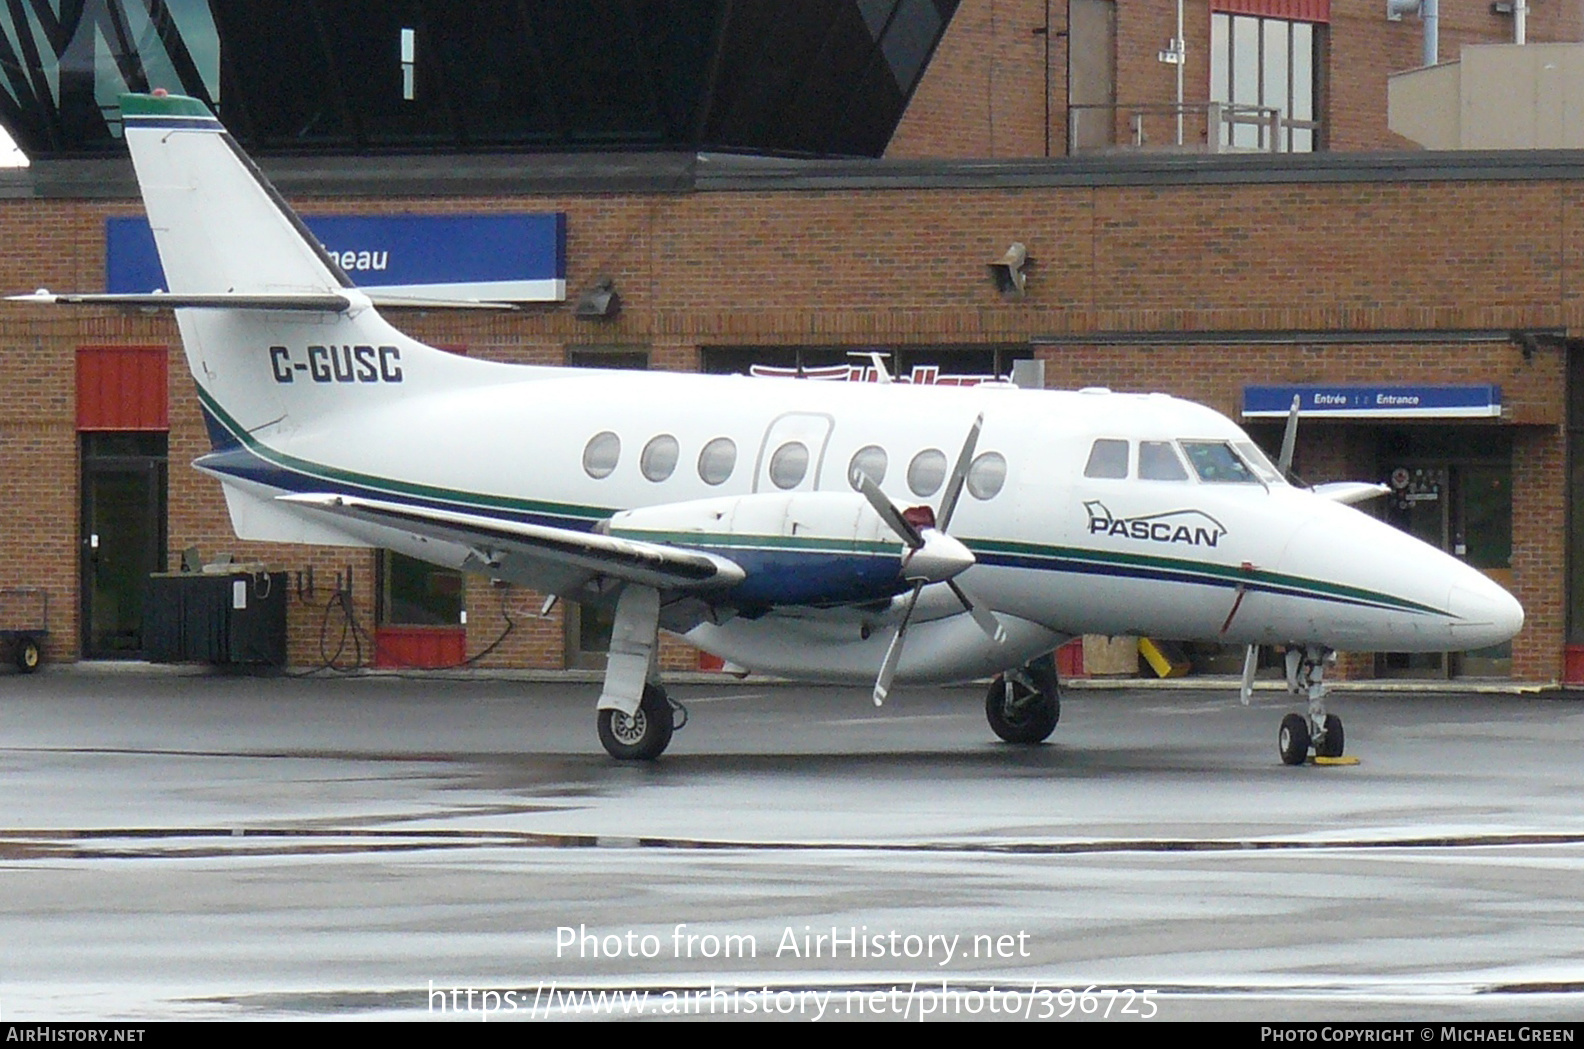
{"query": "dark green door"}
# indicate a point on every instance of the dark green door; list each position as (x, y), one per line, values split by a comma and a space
(122, 540)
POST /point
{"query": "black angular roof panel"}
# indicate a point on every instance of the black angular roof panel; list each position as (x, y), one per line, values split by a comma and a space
(350, 77)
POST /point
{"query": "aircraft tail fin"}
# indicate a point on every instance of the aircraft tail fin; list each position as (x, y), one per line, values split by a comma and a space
(276, 335)
(221, 228)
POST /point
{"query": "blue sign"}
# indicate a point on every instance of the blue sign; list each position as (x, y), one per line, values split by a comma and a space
(1374, 402)
(492, 258)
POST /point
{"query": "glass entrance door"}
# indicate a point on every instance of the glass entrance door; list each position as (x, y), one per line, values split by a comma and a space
(1481, 526)
(1464, 508)
(122, 540)
(1418, 505)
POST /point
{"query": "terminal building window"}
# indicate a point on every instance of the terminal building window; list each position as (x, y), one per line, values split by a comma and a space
(620, 357)
(1275, 63)
(416, 593)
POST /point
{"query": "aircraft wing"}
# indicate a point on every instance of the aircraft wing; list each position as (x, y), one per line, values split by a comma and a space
(555, 559)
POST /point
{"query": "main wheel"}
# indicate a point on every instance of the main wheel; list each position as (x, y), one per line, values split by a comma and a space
(1331, 745)
(645, 735)
(1293, 739)
(28, 655)
(1019, 714)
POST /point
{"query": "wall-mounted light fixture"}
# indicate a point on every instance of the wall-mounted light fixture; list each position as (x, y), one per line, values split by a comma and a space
(1007, 271)
(600, 302)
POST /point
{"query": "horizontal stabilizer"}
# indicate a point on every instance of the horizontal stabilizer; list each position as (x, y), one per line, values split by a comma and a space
(496, 541)
(162, 301)
(413, 302)
(294, 303)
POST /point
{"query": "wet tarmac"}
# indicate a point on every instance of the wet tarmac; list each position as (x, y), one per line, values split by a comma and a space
(191, 846)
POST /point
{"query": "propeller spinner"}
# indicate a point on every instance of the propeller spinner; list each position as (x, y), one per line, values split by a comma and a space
(933, 556)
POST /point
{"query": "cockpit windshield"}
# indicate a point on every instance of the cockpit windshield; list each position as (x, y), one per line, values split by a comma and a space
(1213, 462)
(1158, 462)
(1257, 459)
(1216, 463)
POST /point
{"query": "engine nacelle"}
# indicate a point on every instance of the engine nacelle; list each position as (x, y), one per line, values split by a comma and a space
(796, 548)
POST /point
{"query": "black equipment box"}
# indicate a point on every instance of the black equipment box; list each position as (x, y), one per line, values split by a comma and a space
(223, 618)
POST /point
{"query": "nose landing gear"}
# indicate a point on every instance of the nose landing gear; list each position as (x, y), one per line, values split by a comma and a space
(1024, 704)
(1306, 673)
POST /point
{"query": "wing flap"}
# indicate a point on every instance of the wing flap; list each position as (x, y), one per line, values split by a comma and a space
(559, 550)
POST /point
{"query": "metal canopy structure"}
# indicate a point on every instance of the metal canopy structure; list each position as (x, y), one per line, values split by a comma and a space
(348, 77)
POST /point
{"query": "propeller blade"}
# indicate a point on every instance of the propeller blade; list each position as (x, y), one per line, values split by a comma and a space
(1289, 440)
(959, 476)
(1250, 664)
(983, 616)
(893, 654)
(889, 513)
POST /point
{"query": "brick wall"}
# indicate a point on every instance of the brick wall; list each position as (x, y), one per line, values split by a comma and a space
(983, 93)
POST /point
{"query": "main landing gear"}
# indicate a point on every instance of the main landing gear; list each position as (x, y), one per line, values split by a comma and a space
(1024, 704)
(1306, 673)
(635, 716)
(643, 735)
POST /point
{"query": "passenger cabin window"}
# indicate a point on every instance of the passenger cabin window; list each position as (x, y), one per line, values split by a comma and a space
(717, 460)
(1108, 458)
(987, 475)
(1158, 462)
(601, 454)
(1216, 463)
(789, 465)
(869, 460)
(659, 458)
(926, 472)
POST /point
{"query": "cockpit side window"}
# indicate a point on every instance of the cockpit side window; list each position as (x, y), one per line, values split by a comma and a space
(1216, 463)
(1108, 458)
(1158, 462)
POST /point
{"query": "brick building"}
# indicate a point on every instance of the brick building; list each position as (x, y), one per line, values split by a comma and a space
(1204, 268)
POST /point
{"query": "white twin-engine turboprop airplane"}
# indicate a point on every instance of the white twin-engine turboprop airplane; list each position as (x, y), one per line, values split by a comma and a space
(791, 527)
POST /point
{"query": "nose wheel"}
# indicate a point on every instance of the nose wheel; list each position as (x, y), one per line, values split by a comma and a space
(1320, 730)
(1023, 705)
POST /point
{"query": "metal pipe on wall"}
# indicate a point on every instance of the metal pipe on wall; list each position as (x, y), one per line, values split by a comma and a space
(1430, 12)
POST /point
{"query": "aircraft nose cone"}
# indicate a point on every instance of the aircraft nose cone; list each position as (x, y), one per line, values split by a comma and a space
(1485, 614)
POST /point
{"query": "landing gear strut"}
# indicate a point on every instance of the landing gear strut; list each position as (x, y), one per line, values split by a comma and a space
(644, 735)
(636, 717)
(1306, 674)
(1024, 705)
